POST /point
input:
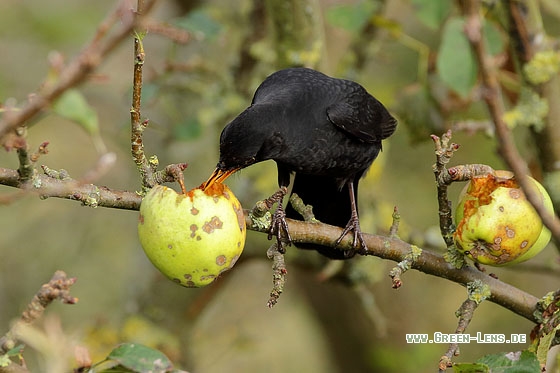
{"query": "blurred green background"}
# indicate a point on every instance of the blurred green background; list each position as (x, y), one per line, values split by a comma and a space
(191, 91)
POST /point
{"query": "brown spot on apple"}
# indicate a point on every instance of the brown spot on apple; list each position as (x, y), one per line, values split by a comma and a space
(221, 260)
(207, 277)
(515, 193)
(213, 224)
(194, 228)
(510, 233)
(226, 195)
(240, 216)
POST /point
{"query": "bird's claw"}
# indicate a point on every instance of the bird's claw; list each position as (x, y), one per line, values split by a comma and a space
(279, 228)
(354, 226)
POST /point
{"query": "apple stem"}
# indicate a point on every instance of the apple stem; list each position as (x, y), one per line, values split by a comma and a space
(182, 184)
(173, 172)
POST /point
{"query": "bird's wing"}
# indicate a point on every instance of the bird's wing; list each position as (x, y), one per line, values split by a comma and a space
(366, 119)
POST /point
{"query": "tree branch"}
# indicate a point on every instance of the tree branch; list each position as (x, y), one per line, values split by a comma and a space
(78, 70)
(390, 248)
(57, 288)
(46, 186)
(394, 249)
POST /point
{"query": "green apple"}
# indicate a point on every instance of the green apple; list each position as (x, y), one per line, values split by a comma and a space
(496, 224)
(192, 238)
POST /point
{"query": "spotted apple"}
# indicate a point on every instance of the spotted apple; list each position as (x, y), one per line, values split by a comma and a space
(496, 224)
(192, 238)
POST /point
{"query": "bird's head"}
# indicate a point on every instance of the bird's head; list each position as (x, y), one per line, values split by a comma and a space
(226, 167)
(240, 146)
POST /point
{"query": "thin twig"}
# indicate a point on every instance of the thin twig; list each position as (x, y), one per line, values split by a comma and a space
(79, 69)
(137, 126)
(444, 151)
(279, 272)
(477, 293)
(57, 288)
(404, 265)
(394, 229)
(466, 172)
(306, 211)
(26, 167)
(465, 313)
(147, 167)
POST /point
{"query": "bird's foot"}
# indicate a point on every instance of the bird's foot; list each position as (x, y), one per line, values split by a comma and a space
(262, 207)
(279, 228)
(353, 226)
(278, 225)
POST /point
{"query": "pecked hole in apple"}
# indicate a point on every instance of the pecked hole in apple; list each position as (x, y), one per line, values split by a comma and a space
(496, 225)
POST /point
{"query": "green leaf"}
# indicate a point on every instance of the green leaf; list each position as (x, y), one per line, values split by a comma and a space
(199, 23)
(455, 62)
(18, 350)
(433, 12)
(545, 342)
(5, 358)
(351, 17)
(139, 358)
(189, 129)
(418, 111)
(72, 105)
(471, 368)
(493, 38)
(511, 362)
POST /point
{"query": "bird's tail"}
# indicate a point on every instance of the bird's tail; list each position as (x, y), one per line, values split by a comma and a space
(331, 205)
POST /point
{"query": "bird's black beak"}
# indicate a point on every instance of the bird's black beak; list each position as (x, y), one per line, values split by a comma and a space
(218, 176)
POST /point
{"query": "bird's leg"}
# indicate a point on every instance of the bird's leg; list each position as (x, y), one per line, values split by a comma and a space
(278, 226)
(353, 225)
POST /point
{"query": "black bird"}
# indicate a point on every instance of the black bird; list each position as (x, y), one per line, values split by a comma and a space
(326, 130)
